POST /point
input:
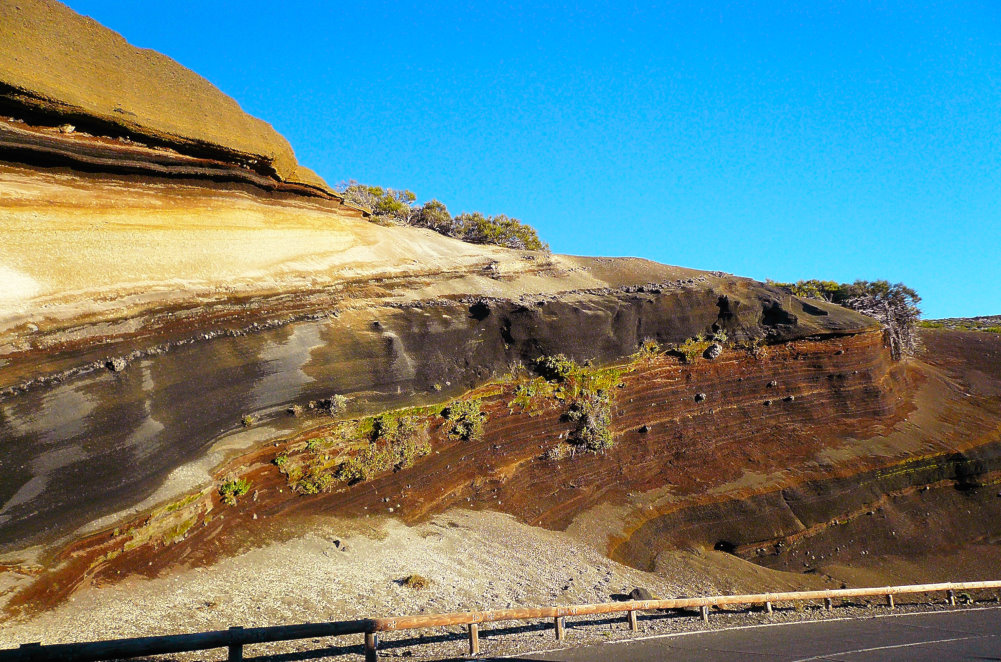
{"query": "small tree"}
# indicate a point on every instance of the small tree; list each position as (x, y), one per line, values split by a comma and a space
(434, 216)
(895, 306)
(386, 204)
(390, 206)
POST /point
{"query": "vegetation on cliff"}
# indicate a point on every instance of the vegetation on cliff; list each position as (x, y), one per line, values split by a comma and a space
(895, 306)
(390, 206)
(988, 324)
(587, 393)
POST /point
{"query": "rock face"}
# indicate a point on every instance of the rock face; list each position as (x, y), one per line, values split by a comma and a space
(197, 289)
(56, 65)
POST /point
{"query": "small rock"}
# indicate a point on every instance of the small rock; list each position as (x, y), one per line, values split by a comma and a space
(713, 351)
(699, 397)
(772, 384)
(116, 364)
(646, 428)
(641, 594)
(789, 398)
(67, 128)
(768, 403)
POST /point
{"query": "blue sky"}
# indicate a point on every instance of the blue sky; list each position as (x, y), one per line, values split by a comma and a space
(838, 140)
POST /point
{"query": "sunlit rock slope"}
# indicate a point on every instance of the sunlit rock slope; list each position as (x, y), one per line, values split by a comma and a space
(172, 284)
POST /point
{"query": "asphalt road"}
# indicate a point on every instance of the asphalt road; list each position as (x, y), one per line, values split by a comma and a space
(966, 634)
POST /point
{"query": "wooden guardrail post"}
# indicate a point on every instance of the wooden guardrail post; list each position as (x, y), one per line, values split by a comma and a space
(371, 647)
(952, 598)
(474, 639)
(31, 651)
(705, 613)
(889, 601)
(560, 633)
(768, 607)
(828, 604)
(633, 625)
(235, 644)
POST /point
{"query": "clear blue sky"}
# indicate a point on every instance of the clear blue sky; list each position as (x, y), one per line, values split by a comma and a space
(840, 140)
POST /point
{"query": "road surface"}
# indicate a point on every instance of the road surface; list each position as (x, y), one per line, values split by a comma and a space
(966, 634)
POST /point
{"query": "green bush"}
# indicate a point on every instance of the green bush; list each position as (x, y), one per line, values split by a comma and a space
(555, 368)
(466, 419)
(587, 393)
(395, 443)
(500, 230)
(390, 206)
(693, 348)
(592, 412)
(433, 215)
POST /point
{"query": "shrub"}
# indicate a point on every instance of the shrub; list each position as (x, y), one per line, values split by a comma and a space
(693, 348)
(387, 205)
(466, 419)
(232, 489)
(338, 403)
(500, 230)
(433, 215)
(593, 414)
(649, 347)
(558, 452)
(532, 395)
(586, 391)
(395, 443)
(390, 206)
(555, 368)
(416, 582)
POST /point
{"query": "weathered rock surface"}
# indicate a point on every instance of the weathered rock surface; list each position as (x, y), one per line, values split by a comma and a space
(165, 305)
(63, 69)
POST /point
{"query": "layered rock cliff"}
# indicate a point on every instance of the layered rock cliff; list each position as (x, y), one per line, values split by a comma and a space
(165, 306)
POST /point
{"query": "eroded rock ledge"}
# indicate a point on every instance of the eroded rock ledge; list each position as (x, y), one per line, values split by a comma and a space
(58, 67)
(788, 444)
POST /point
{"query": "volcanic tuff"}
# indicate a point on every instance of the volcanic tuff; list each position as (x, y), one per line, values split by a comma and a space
(165, 305)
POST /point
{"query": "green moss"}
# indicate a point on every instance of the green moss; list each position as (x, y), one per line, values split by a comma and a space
(532, 396)
(230, 490)
(181, 503)
(178, 532)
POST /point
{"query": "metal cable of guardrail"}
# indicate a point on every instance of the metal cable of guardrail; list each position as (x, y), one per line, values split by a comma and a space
(235, 638)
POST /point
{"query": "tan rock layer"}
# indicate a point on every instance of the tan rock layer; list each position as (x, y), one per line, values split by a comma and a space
(59, 65)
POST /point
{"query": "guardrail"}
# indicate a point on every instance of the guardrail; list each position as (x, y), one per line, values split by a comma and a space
(235, 638)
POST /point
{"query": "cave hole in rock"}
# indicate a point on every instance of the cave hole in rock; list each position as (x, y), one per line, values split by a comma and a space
(725, 546)
(773, 314)
(479, 311)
